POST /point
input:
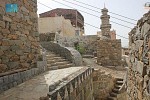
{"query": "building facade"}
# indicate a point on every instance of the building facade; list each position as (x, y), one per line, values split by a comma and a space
(56, 25)
(76, 18)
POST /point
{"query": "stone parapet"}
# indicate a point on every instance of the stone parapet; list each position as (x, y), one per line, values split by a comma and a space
(69, 53)
(77, 86)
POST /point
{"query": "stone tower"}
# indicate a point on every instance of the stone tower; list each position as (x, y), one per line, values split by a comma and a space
(105, 26)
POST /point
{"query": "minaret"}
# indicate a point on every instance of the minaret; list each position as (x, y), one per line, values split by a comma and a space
(105, 26)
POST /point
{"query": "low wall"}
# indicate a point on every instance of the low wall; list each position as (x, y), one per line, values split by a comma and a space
(69, 53)
(10, 79)
(78, 86)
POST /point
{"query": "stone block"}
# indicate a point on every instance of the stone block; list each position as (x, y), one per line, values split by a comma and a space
(12, 65)
(11, 78)
(1, 81)
(5, 18)
(5, 31)
(3, 48)
(2, 24)
(6, 80)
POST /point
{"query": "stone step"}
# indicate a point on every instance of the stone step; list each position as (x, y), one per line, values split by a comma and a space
(115, 90)
(51, 61)
(57, 63)
(52, 55)
(53, 68)
(117, 86)
(111, 98)
(119, 79)
(54, 58)
(119, 82)
(65, 66)
(112, 94)
(60, 67)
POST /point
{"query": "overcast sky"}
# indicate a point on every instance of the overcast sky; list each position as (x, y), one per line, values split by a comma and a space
(130, 8)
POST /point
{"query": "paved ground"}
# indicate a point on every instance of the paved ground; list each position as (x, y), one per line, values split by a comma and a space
(117, 72)
(38, 86)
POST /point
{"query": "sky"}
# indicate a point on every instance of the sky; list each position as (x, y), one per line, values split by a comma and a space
(129, 8)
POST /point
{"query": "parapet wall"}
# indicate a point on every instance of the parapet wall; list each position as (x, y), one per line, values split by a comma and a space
(19, 47)
(109, 52)
(78, 86)
(69, 53)
(138, 80)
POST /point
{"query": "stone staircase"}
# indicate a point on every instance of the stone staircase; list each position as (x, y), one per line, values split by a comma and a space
(116, 90)
(54, 61)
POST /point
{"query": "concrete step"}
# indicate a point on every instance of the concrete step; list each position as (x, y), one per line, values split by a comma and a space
(112, 94)
(111, 98)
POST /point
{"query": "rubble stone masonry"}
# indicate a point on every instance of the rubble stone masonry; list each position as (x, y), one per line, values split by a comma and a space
(18, 36)
(109, 52)
(138, 78)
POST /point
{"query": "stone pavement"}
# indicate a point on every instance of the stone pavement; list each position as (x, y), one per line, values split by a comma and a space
(38, 86)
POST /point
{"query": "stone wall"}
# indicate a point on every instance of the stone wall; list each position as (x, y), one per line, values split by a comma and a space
(138, 77)
(89, 42)
(67, 52)
(18, 35)
(47, 36)
(78, 86)
(15, 77)
(102, 84)
(109, 52)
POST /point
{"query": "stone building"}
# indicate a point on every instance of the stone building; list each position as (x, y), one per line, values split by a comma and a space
(108, 48)
(56, 24)
(76, 18)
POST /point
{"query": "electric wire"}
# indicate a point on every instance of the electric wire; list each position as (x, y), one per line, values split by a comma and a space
(109, 11)
(97, 11)
(84, 22)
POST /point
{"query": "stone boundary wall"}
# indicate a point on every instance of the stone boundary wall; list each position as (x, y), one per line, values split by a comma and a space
(77, 86)
(138, 77)
(67, 52)
(102, 84)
